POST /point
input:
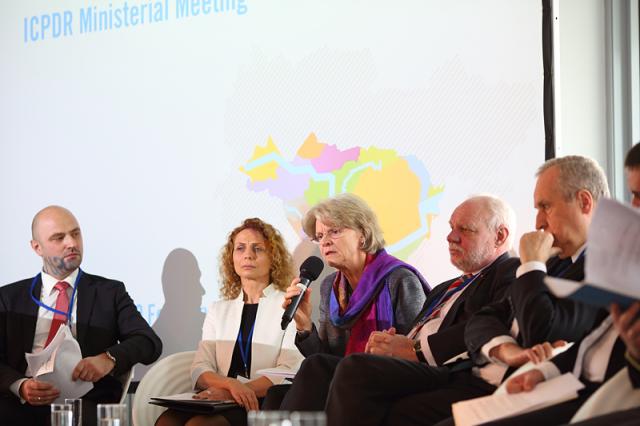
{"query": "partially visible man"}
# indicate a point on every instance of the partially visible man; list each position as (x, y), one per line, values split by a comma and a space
(366, 385)
(112, 334)
(632, 169)
(612, 345)
(566, 195)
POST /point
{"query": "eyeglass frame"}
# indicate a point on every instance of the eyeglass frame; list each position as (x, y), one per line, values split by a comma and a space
(332, 234)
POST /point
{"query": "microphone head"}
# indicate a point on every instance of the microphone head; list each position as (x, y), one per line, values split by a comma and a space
(311, 268)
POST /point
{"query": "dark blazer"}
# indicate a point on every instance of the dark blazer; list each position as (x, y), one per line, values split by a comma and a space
(541, 316)
(106, 319)
(489, 287)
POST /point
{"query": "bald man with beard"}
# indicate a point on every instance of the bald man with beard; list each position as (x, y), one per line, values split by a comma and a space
(111, 333)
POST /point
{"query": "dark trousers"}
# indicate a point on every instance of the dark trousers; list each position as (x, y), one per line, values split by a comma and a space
(13, 413)
(374, 390)
(619, 418)
(309, 389)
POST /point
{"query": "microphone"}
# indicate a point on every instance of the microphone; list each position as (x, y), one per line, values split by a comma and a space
(309, 271)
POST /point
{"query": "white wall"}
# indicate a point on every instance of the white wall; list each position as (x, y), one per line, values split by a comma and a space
(580, 78)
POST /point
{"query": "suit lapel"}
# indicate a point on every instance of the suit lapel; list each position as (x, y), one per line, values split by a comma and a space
(487, 273)
(434, 295)
(575, 272)
(31, 311)
(85, 298)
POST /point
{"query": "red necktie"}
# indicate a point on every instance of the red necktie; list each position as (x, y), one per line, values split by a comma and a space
(450, 291)
(62, 304)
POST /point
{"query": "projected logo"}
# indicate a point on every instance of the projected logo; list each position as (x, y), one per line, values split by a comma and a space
(398, 188)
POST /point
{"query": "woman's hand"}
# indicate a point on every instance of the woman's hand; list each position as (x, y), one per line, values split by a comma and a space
(242, 394)
(388, 343)
(214, 394)
(302, 316)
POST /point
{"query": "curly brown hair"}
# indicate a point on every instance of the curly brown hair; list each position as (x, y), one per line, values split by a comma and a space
(281, 272)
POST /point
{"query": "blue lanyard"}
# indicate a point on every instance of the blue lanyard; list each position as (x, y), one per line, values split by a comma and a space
(244, 351)
(437, 303)
(49, 308)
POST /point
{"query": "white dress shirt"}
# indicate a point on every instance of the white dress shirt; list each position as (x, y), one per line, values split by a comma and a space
(48, 296)
(593, 354)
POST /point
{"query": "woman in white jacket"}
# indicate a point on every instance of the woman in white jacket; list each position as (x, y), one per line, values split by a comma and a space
(241, 333)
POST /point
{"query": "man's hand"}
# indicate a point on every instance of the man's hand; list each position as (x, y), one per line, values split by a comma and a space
(515, 356)
(628, 325)
(93, 368)
(388, 343)
(525, 382)
(38, 393)
(537, 246)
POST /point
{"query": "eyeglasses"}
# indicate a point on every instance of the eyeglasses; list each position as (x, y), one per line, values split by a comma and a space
(332, 234)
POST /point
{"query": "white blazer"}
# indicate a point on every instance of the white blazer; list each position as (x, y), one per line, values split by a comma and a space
(270, 345)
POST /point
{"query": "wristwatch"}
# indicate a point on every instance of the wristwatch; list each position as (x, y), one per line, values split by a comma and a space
(111, 357)
(417, 347)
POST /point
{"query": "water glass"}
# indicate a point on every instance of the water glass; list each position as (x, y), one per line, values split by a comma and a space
(268, 418)
(76, 409)
(61, 415)
(112, 415)
(308, 418)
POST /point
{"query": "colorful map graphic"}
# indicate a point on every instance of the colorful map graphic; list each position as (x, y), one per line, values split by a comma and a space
(398, 188)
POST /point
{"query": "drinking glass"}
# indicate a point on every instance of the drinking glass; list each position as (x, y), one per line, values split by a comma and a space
(308, 418)
(61, 415)
(268, 418)
(76, 409)
(112, 415)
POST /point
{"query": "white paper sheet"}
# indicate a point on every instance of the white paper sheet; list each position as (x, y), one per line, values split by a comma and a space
(55, 364)
(481, 410)
(502, 389)
(278, 372)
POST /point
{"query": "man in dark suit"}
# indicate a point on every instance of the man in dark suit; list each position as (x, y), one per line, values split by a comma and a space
(566, 195)
(366, 385)
(111, 333)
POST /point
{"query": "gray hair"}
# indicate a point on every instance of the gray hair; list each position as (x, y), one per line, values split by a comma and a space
(346, 211)
(499, 213)
(578, 173)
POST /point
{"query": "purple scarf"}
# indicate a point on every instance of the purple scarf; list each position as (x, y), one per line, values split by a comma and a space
(372, 291)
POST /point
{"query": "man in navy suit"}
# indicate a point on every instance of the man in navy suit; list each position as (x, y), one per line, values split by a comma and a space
(111, 333)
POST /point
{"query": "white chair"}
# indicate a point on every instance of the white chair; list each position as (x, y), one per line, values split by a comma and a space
(168, 376)
(615, 394)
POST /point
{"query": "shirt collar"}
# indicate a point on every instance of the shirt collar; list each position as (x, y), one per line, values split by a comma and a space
(265, 293)
(578, 253)
(48, 282)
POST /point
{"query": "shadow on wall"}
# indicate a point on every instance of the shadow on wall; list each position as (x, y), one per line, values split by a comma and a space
(179, 324)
